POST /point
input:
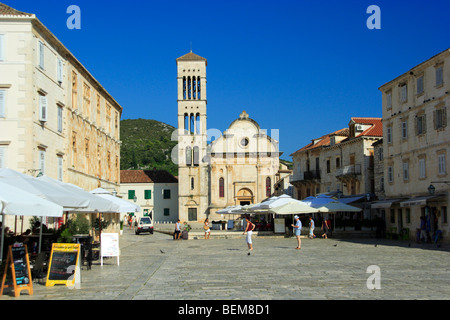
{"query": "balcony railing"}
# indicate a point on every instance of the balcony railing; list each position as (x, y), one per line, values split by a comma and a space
(305, 176)
(354, 169)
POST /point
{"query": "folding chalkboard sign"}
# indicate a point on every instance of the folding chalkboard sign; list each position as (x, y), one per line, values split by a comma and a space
(64, 267)
(19, 264)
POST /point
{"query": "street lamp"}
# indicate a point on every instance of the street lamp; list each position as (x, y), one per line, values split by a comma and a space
(135, 199)
(431, 190)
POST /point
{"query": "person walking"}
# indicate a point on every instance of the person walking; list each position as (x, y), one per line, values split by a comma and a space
(298, 231)
(249, 230)
(311, 228)
(207, 229)
(325, 228)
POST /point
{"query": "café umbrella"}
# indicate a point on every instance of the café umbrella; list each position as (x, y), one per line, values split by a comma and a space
(14, 201)
(43, 189)
(293, 207)
(124, 206)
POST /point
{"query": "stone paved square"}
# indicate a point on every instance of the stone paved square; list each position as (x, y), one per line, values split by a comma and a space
(220, 269)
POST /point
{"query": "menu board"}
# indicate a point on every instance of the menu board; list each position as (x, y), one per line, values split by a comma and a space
(110, 246)
(21, 270)
(19, 264)
(64, 264)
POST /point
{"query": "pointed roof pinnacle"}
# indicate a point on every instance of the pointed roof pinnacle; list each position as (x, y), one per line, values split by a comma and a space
(192, 57)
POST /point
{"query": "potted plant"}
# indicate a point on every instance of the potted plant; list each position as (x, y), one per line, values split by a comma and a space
(121, 227)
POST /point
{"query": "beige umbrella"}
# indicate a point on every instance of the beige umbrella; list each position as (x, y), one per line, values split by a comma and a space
(293, 207)
(336, 206)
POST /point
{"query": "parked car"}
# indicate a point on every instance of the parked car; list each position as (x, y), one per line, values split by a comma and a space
(143, 225)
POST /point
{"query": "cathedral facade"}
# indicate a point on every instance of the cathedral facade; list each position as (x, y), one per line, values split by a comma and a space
(240, 165)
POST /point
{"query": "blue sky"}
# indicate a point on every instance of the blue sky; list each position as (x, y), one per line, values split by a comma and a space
(302, 67)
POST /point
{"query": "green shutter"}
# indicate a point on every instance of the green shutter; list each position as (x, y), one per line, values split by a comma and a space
(148, 194)
(167, 212)
(131, 194)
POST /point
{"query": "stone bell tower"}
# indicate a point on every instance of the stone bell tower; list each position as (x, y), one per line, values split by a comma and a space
(192, 138)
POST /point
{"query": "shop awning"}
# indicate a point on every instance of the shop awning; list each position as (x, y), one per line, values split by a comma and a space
(418, 201)
(385, 204)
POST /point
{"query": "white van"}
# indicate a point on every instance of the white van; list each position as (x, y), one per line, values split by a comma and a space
(143, 225)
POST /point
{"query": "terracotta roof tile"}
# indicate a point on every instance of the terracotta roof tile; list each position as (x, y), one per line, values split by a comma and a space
(146, 176)
(192, 57)
(6, 10)
(323, 141)
(375, 131)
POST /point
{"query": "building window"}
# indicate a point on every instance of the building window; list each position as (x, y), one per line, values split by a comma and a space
(408, 215)
(60, 168)
(196, 156)
(2, 103)
(392, 215)
(166, 194)
(390, 174)
(2, 47)
(60, 119)
(43, 108)
(192, 214)
(59, 72)
(131, 194)
(192, 183)
(422, 169)
(338, 163)
(421, 124)
(221, 188)
(188, 156)
(439, 76)
(166, 212)
(420, 85)
(268, 187)
(42, 161)
(2, 157)
(441, 164)
(404, 93)
(405, 171)
(328, 166)
(380, 154)
(404, 129)
(147, 194)
(389, 134)
(440, 118)
(41, 54)
(388, 100)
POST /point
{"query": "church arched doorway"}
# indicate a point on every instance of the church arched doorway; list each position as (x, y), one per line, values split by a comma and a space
(244, 197)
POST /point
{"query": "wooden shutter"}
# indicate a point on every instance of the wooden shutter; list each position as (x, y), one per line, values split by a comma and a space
(2, 47)
(43, 108)
(2, 103)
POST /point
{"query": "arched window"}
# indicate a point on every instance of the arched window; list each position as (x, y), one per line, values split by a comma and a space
(184, 88)
(221, 188)
(189, 156)
(186, 123)
(196, 156)
(189, 88)
(192, 128)
(198, 88)
(197, 123)
(194, 88)
(268, 187)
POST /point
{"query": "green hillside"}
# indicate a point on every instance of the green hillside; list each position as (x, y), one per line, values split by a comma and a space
(146, 144)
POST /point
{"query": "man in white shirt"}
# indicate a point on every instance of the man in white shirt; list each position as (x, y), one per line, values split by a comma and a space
(298, 231)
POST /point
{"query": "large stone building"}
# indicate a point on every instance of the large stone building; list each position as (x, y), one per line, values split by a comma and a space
(339, 161)
(239, 167)
(55, 117)
(416, 147)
